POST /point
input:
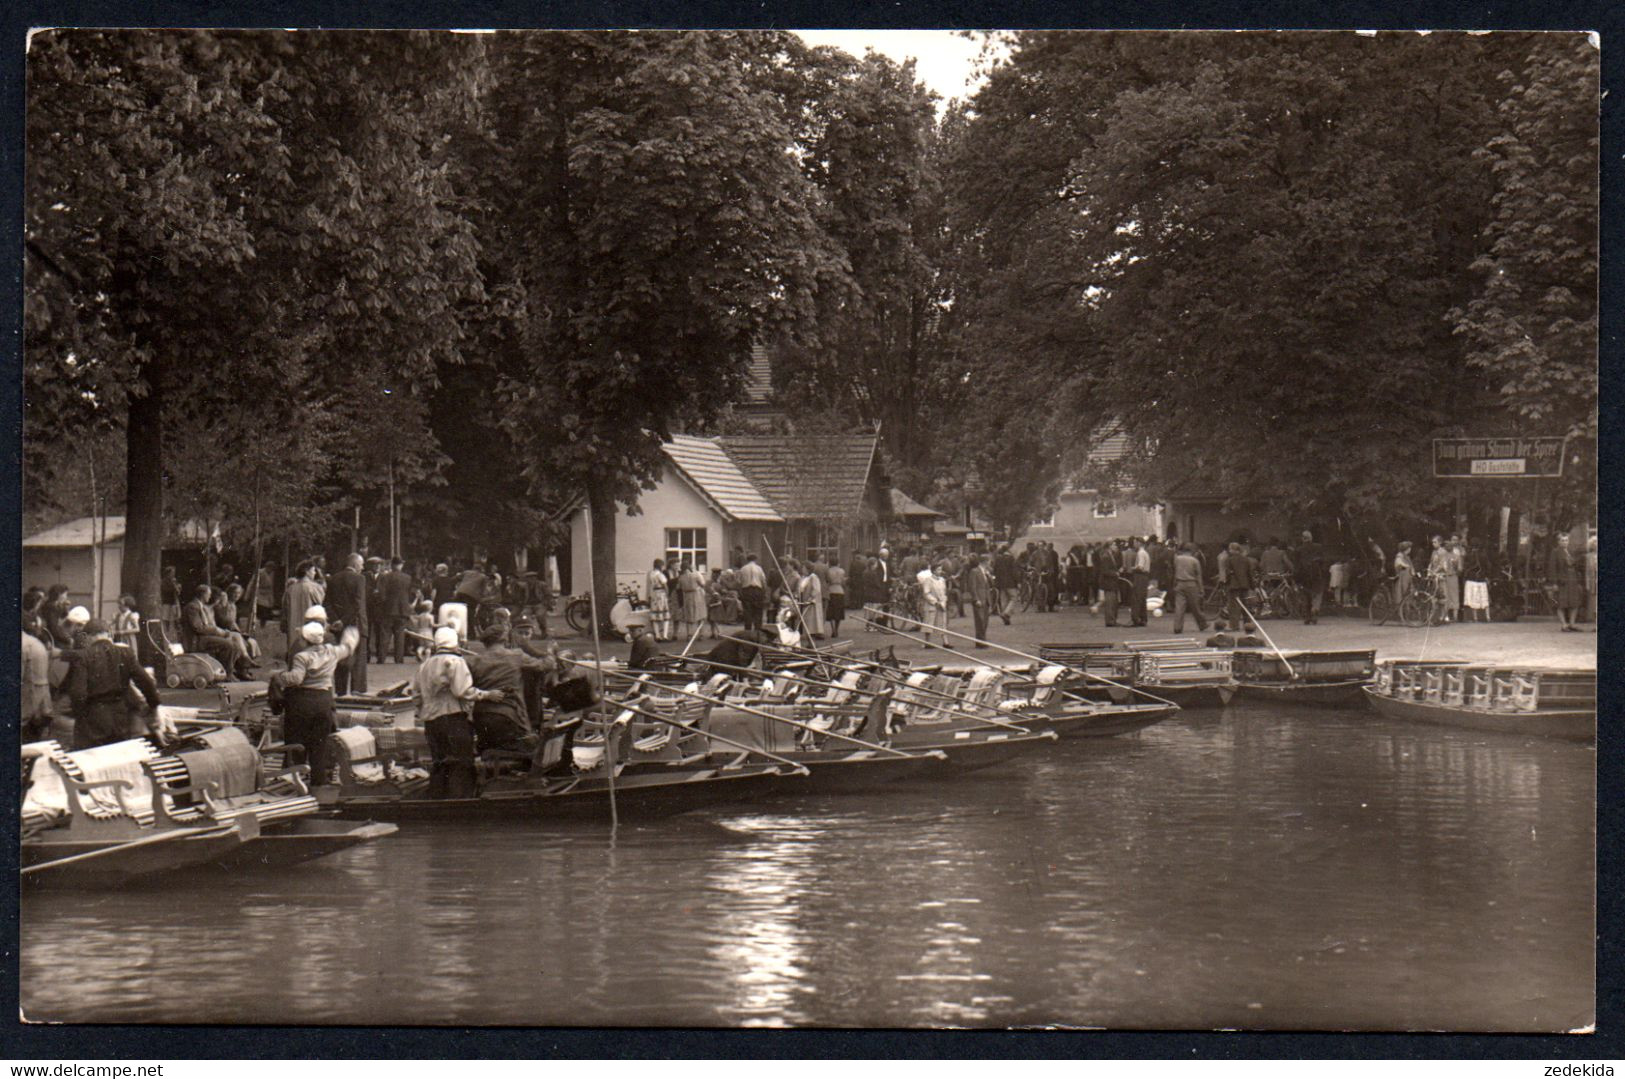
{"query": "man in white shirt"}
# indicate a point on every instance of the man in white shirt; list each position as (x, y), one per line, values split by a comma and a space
(752, 592)
(936, 600)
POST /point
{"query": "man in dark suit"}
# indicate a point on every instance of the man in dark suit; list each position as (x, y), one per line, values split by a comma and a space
(205, 635)
(377, 643)
(395, 590)
(347, 603)
(1007, 579)
(979, 589)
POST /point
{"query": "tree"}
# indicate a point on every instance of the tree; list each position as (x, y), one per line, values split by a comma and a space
(216, 220)
(662, 228)
(1243, 253)
(1531, 324)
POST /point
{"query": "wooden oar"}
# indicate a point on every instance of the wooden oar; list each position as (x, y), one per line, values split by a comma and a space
(800, 769)
(1284, 661)
(144, 841)
(1017, 652)
(961, 702)
(797, 723)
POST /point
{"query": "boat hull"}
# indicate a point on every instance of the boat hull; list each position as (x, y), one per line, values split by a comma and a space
(842, 773)
(1211, 695)
(1078, 720)
(1317, 694)
(301, 840)
(982, 750)
(1570, 725)
(118, 862)
(638, 794)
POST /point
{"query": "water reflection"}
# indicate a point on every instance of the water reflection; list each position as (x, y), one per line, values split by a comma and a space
(1249, 869)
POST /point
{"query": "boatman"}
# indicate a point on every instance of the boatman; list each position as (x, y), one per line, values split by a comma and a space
(99, 679)
(444, 690)
(308, 714)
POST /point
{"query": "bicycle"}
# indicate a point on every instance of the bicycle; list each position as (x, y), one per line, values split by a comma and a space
(1382, 607)
(1033, 591)
(1281, 598)
(1423, 605)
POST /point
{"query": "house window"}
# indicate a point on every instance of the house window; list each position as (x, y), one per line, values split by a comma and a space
(825, 545)
(1045, 522)
(1105, 507)
(686, 544)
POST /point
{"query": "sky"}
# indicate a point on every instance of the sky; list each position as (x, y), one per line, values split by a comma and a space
(943, 60)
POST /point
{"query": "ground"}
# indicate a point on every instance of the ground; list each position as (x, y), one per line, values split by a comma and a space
(1526, 641)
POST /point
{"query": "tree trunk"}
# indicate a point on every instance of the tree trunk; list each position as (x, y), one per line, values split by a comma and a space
(144, 499)
(602, 507)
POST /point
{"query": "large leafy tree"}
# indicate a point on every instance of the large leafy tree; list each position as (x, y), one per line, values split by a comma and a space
(219, 223)
(1242, 249)
(652, 224)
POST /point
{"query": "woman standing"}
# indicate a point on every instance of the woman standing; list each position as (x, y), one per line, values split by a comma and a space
(1442, 568)
(1564, 570)
(835, 605)
(810, 594)
(660, 601)
(691, 592)
(1591, 580)
(1404, 572)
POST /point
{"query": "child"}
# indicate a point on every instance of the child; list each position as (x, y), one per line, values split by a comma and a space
(423, 625)
(127, 626)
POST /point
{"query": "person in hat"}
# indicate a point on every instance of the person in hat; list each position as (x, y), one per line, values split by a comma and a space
(444, 690)
(74, 623)
(503, 721)
(99, 679)
(308, 716)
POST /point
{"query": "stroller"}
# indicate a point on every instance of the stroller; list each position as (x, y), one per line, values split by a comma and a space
(178, 667)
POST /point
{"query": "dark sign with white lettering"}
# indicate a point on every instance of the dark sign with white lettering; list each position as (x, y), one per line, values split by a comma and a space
(1498, 458)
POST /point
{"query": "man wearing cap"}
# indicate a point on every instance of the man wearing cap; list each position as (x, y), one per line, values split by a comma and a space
(74, 623)
(503, 723)
(347, 605)
(99, 679)
(307, 694)
(444, 689)
(377, 643)
(394, 610)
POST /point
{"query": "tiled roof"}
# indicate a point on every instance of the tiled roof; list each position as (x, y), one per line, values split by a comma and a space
(807, 476)
(79, 532)
(718, 479)
(759, 377)
(1109, 448)
(904, 506)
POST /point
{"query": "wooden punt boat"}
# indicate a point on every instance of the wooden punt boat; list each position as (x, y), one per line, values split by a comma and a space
(1171, 668)
(1329, 679)
(1546, 702)
(63, 861)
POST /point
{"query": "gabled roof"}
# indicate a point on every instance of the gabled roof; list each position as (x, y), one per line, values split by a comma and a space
(87, 532)
(715, 476)
(904, 506)
(807, 476)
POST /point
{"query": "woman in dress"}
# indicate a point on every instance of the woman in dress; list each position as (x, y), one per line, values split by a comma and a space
(691, 591)
(788, 622)
(660, 601)
(1564, 570)
(1404, 572)
(810, 594)
(835, 604)
(1442, 568)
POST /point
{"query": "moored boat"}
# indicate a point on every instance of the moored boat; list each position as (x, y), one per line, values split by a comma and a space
(1331, 679)
(1507, 698)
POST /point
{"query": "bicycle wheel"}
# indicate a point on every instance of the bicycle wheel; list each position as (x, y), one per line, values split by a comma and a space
(579, 614)
(1415, 610)
(1026, 593)
(1382, 607)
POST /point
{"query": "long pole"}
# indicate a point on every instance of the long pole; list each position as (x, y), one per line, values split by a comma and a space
(867, 692)
(1290, 672)
(791, 722)
(803, 622)
(1015, 652)
(598, 662)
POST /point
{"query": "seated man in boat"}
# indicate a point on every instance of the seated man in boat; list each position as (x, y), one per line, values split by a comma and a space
(503, 722)
(737, 650)
(646, 654)
(99, 679)
(444, 691)
(1221, 638)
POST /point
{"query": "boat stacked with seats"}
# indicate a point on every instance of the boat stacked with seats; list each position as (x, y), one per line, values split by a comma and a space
(133, 809)
(1334, 679)
(1551, 702)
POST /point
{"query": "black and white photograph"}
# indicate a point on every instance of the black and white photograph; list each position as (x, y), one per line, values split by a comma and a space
(806, 529)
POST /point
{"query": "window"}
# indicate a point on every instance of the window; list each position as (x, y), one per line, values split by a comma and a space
(826, 544)
(687, 544)
(1047, 521)
(1105, 507)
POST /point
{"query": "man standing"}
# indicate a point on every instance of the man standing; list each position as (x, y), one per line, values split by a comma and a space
(1188, 589)
(264, 595)
(979, 588)
(443, 588)
(207, 636)
(1309, 562)
(394, 609)
(752, 592)
(444, 689)
(503, 721)
(36, 679)
(1007, 579)
(347, 604)
(1111, 570)
(300, 596)
(1238, 582)
(99, 679)
(1139, 579)
(307, 687)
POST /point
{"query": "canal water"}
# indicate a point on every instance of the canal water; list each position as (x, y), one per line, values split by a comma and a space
(1241, 869)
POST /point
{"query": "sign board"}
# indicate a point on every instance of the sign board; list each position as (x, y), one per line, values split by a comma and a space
(1498, 458)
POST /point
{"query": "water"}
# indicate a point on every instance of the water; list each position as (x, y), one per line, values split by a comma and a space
(1245, 869)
